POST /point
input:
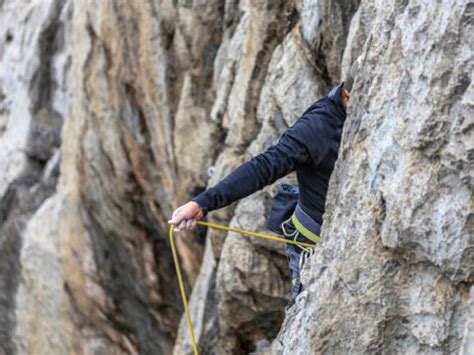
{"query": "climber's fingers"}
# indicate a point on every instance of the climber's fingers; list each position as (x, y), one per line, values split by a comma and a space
(188, 212)
(181, 226)
(186, 224)
(177, 216)
(191, 223)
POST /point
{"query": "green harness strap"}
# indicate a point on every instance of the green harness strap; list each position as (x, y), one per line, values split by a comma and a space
(306, 232)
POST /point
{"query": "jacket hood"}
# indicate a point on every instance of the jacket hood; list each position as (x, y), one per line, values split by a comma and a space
(335, 96)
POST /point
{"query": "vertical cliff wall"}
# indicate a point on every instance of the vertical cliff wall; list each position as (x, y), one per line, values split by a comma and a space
(35, 60)
(396, 265)
(114, 112)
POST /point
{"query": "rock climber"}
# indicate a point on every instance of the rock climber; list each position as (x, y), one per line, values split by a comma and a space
(309, 147)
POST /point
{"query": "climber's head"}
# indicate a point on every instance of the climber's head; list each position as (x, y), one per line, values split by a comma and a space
(345, 95)
(349, 82)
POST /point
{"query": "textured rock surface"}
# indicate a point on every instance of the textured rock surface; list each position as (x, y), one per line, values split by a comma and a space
(468, 340)
(33, 74)
(161, 98)
(397, 260)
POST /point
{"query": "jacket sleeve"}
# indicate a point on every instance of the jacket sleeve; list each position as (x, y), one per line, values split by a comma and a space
(277, 161)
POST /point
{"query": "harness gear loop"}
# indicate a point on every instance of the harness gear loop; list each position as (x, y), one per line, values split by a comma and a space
(229, 229)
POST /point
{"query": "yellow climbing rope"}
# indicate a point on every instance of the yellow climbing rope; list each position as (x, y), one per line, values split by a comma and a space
(229, 229)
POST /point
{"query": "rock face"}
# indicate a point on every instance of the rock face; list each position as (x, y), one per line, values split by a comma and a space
(397, 262)
(112, 113)
(35, 61)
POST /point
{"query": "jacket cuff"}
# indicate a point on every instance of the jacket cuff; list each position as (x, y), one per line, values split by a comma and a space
(200, 200)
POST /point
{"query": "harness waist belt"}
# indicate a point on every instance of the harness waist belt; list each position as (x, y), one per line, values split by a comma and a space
(306, 225)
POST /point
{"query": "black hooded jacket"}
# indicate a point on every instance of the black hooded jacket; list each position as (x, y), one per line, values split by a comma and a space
(309, 147)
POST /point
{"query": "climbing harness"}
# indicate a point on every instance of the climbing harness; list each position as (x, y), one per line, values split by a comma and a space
(306, 225)
(306, 246)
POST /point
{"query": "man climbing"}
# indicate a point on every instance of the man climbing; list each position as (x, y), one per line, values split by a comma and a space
(309, 147)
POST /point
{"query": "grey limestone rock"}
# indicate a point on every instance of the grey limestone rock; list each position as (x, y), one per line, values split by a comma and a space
(396, 264)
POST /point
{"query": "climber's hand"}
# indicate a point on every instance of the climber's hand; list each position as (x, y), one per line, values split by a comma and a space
(186, 216)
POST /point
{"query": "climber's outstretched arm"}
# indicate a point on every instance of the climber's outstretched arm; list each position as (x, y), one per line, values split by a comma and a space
(263, 169)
